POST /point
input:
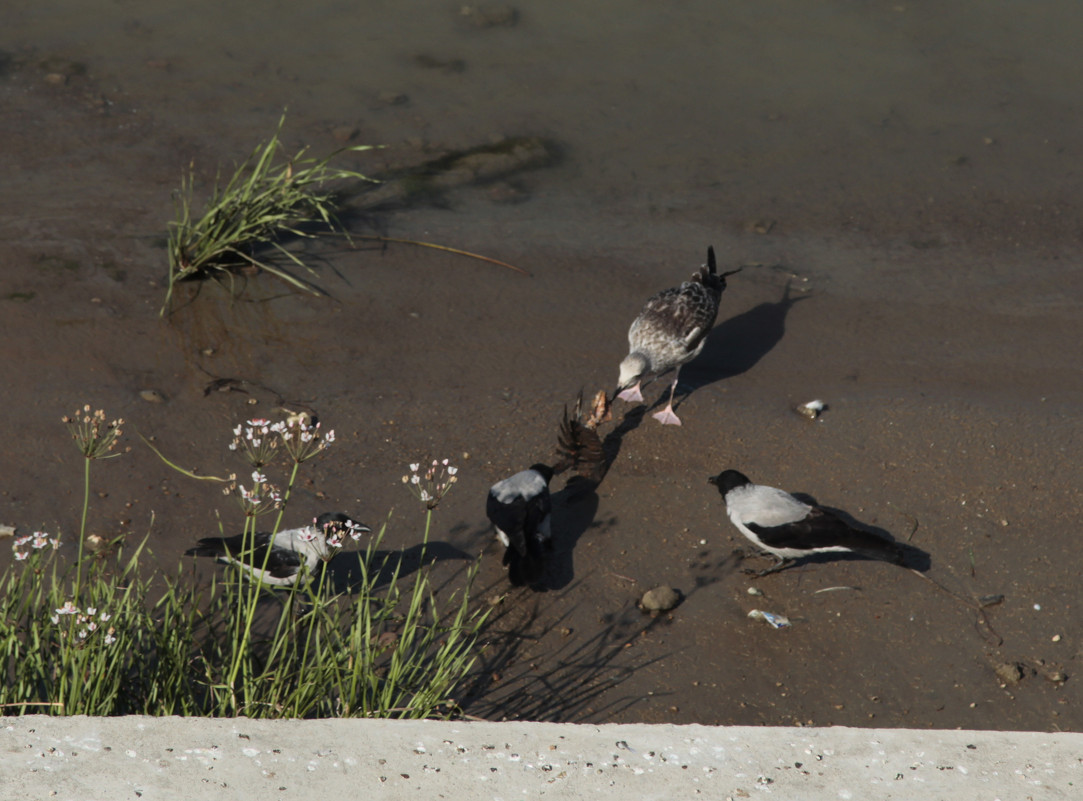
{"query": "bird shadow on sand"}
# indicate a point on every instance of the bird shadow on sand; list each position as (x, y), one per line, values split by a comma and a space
(576, 505)
(914, 558)
(352, 570)
(535, 667)
(736, 345)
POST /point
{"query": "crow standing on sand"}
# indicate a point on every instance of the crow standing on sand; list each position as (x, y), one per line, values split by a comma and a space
(279, 559)
(788, 529)
(520, 509)
(671, 331)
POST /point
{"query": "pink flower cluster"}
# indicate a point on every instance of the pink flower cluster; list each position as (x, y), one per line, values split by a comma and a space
(83, 623)
(37, 541)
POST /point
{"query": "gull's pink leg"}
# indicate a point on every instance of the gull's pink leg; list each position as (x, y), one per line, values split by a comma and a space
(632, 394)
(667, 416)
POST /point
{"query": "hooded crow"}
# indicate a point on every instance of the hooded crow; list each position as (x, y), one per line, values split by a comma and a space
(520, 509)
(279, 558)
(789, 529)
(671, 331)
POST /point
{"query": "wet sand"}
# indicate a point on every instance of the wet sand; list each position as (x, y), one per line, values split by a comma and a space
(919, 280)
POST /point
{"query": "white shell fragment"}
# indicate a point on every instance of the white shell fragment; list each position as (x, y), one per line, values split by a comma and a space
(811, 410)
(773, 620)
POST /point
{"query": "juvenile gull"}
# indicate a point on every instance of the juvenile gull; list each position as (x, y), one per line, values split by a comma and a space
(520, 509)
(671, 331)
(279, 559)
(788, 529)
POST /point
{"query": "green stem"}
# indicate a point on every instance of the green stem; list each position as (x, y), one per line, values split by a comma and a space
(286, 497)
(82, 531)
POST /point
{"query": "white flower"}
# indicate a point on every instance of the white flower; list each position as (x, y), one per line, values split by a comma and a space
(452, 471)
(68, 609)
(414, 467)
(110, 639)
(21, 556)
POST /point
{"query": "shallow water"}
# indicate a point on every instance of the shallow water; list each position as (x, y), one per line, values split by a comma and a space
(900, 183)
(883, 118)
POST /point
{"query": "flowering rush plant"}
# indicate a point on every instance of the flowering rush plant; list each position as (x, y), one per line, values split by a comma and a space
(37, 541)
(82, 624)
(335, 534)
(261, 498)
(258, 440)
(92, 434)
(433, 484)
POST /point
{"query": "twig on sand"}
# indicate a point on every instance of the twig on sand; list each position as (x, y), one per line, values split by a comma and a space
(374, 238)
(983, 618)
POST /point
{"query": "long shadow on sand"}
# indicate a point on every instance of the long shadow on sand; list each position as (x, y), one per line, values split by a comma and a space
(347, 570)
(735, 346)
(569, 679)
(575, 507)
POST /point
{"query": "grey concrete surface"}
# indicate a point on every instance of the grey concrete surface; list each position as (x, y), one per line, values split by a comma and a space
(85, 759)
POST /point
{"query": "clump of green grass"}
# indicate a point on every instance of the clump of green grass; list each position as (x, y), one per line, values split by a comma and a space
(101, 638)
(266, 202)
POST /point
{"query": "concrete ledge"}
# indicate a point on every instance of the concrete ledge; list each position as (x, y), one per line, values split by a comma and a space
(84, 759)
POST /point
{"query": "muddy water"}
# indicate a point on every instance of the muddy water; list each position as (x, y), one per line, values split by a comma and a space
(900, 183)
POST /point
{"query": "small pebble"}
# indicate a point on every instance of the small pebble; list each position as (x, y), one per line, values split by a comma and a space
(1056, 638)
(660, 599)
(1009, 673)
(345, 133)
(152, 396)
(754, 591)
(388, 98)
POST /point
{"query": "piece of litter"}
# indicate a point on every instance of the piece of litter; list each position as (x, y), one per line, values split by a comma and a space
(754, 591)
(773, 620)
(811, 410)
